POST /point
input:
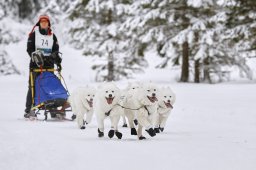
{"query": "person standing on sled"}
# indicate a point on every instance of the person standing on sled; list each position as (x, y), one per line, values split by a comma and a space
(41, 41)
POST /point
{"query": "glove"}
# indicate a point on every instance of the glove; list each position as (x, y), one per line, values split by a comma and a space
(37, 57)
(59, 68)
(56, 57)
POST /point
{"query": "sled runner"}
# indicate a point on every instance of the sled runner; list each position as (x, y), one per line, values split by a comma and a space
(48, 93)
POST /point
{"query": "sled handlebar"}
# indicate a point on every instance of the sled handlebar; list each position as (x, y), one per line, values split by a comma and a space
(43, 70)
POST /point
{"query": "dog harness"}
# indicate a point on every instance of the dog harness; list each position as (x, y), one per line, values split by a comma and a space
(108, 113)
(147, 110)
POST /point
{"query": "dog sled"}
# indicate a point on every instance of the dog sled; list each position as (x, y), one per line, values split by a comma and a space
(49, 96)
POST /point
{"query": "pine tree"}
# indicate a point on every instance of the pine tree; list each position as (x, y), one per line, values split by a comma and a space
(25, 7)
(7, 35)
(169, 27)
(191, 31)
(240, 33)
(95, 29)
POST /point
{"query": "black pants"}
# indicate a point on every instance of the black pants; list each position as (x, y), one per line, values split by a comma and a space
(29, 93)
(34, 74)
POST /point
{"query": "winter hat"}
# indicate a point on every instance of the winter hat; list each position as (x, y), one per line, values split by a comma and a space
(44, 16)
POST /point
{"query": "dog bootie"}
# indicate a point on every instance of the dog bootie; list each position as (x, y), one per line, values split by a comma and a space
(101, 134)
(111, 133)
(73, 117)
(162, 129)
(118, 135)
(135, 122)
(151, 132)
(133, 131)
(82, 127)
(142, 138)
(157, 130)
(125, 125)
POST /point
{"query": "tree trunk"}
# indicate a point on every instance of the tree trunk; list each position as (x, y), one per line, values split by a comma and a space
(185, 63)
(207, 77)
(197, 71)
(110, 76)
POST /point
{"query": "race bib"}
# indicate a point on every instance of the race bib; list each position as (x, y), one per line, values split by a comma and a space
(44, 43)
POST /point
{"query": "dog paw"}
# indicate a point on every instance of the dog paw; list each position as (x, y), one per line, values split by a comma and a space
(100, 134)
(142, 138)
(111, 133)
(151, 132)
(82, 127)
(125, 125)
(161, 129)
(133, 131)
(119, 135)
(157, 130)
(135, 122)
(73, 117)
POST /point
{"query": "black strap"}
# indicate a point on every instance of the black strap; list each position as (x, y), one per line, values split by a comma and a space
(147, 110)
(108, 113)
(129, 108)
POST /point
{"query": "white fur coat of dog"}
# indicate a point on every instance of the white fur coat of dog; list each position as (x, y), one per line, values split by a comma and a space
(106, 104)
(166, 101)
(81, 101)
(145, 99)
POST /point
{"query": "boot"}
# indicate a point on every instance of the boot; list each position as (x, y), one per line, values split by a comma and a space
(31, 114)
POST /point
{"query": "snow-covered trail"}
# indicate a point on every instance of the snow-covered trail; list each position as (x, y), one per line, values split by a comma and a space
(212, 127)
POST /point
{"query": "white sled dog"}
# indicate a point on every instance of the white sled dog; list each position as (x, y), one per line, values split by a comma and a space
(129, 107)
(81, 102)
(106, 104)
(145, 100)
(165, 105)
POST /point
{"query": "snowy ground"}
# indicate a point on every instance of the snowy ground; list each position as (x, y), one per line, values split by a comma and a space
(212, 127)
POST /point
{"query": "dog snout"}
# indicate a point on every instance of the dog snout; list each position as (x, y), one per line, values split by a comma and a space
(91, 99)
(110, 95)
(168, 101)
(154, 94)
